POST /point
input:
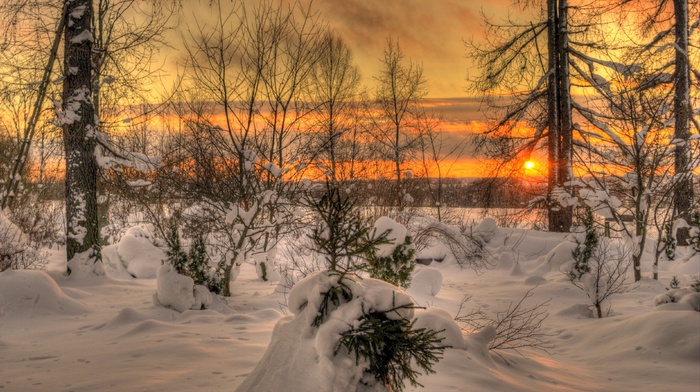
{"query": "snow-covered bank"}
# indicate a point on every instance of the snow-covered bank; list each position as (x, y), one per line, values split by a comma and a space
(62, 334)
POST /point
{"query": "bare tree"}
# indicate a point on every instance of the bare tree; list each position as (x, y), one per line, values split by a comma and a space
(398, 117)
(607, 275)
(335, 88)
(534, 61)
(437, 150)
(668, 26)
(517, 327)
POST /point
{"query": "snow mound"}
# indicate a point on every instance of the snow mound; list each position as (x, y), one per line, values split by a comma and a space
(427, 281)
(437, 319)
(301, 357)
(687, 298)
(672, 335)
(396, 235)
(486, 230)
(558, 258)
(138, 254)
(174, 290)
(29, 293)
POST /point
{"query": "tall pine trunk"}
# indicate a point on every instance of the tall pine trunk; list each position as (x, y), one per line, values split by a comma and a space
(559, 115)
(79, 135)
(683, 192)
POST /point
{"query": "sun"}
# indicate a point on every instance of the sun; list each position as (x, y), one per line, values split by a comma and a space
(529, 165)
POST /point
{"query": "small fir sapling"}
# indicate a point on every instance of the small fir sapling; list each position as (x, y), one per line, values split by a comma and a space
(583, 252)
(391, 347)
(669, 241)
(176, 256)
(194, 264)
(695, 231)
(674, 284)
(395, 267)
(342, 237)
(388, 344)
(198, 261)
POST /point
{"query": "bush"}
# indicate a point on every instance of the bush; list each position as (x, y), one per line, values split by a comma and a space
(390, 347)
(583, 252)
(15, 249)
(196, 263)
(391, 261)
(383, 338)
(605, 276)
(395, 268)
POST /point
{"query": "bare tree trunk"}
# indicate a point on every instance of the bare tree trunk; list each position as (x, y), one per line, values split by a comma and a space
(552, 115)
(79, 128)
(18, 166)
(683, 193)
(559, 143)
(565, 217)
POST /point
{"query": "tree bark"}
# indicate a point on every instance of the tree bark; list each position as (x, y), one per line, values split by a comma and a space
(79, 135)
(559, 115)
(683, 192)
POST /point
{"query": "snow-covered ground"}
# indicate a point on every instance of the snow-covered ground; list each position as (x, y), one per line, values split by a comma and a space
(61, 333)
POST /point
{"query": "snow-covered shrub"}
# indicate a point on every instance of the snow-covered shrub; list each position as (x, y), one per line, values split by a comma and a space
(393, 261)
(519, 326)
(15, 249)
(174, 290)
(346, 334)
(138, 252)
(606, 274)
(584, 249)
(467, 248)
(179, 292)
(485, 230)
(195, 263)
(342, 237)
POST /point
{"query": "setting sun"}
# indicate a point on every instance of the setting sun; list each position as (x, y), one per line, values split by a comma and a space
(529, 165)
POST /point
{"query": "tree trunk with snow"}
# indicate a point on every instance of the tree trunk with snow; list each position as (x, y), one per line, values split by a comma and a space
(559, 142)
(683, 193)
(79, 133)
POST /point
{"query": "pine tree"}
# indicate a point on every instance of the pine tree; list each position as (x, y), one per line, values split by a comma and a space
(342, 236)
(395, 268)
(391, 347)
(176, 256)
(583, 252)
(198, 261)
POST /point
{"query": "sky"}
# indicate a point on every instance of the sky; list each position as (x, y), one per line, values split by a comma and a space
(430, 32)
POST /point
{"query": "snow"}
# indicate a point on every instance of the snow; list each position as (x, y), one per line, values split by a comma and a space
(12, 239)
(427, 280)
(174, 290)
(135, 253)
(61, 333)
(396, 235)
